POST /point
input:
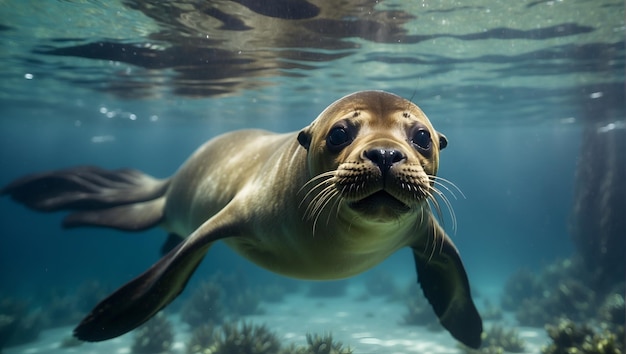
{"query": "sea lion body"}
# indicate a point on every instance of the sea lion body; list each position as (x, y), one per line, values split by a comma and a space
(287, 247)
(328, 202)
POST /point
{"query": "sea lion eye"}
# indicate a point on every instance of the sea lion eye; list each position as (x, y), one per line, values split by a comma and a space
(421, 139)
(337, 138)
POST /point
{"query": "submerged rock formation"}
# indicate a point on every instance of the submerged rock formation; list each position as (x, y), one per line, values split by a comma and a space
(598, 225)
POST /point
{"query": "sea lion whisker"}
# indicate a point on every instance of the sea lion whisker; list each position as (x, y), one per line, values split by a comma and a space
(437, 238)
(339, 200)
(319, 200)
(311, 205)
(434, 244)
(352, 190)
(440, 182)
(441, 237)
(323, 183)
(335, 205)
(326, 175)
(322, 199)
(448, 204)
(329, 194)
(314, 216)
(422, 211)
(306, 215)
(434, 204)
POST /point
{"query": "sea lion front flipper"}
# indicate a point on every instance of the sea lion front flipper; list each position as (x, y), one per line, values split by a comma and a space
(445, 285)
(170, 243)
(141, 298)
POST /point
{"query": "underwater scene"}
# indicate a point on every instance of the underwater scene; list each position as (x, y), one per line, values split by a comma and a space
(447, 176)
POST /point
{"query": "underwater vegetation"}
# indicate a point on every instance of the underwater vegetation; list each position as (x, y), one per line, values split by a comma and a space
(231, 283)
(498, 339)
(65, 307)
(242, 292)
(61, 310)
(274, 292)
(334, 288)
(239, 297)
(571, 338)
(233, 338)
(22, 320)
(18, 324)
(612, 310)
(244, 303)
(204, 305)
(597, 222)
(563, 289)
(381, 284)
(88, 294)
(420, 313)
(320, 345)
(520, 286)
(154, 337)
(202, 338)
(576, 300)
(223, 296)
(246, 338)
(491, 312)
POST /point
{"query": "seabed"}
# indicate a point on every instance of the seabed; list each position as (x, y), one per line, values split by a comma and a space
(368, 326)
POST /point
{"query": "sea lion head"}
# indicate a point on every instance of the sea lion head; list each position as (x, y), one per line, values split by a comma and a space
(375, 151)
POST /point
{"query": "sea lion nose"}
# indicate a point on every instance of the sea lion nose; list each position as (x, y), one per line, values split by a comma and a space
(384, 158)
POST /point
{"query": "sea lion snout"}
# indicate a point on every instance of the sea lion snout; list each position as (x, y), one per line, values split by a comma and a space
(384, 158)
(383, 182)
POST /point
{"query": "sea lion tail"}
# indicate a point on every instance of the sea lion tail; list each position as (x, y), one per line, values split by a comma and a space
(123, 199)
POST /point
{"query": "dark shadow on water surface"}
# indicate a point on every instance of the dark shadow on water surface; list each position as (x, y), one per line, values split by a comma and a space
(219, 48)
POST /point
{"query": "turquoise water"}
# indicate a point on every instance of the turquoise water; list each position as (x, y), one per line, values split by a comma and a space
(514, 85)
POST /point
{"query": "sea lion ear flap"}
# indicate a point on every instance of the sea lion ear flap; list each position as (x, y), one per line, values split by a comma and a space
(443, 141)
(304, 137)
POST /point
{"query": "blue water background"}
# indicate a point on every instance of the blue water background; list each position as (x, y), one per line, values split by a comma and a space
(517, 181)
(513, 151)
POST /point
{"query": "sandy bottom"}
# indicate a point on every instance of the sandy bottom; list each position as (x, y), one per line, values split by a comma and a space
(367, 326)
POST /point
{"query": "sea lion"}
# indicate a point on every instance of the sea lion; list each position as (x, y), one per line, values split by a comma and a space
(328, 202)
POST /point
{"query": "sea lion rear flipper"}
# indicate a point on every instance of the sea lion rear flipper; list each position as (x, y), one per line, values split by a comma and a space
(124, 199)
(141, 298)
(445, 285)
(129, 217)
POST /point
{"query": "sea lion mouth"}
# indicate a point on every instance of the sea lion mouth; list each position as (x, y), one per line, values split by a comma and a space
(379, 201)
